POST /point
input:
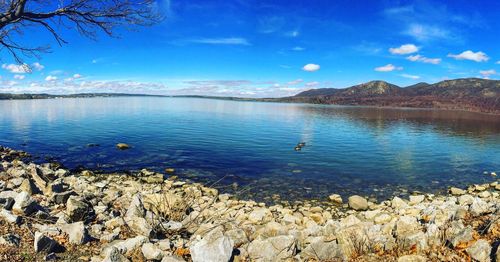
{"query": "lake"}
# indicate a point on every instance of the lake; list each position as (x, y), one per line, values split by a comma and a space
(248, 147)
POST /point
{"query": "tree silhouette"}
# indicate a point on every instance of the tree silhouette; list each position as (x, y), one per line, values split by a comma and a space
(88, 17)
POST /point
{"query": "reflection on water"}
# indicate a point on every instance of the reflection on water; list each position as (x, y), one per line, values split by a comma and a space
(349, 150)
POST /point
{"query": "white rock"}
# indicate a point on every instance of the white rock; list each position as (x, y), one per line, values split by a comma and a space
(214, 247)
(398, 203)
(416, 199)
(151, 252)
(478, 207)
(126, 247)
(480, 251)
(465, 200)
(23, 204)
(9, 217)
(76, 232)
(259, 215)
(272, 249)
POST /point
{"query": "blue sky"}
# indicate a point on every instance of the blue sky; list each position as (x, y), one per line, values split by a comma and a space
(271, 48)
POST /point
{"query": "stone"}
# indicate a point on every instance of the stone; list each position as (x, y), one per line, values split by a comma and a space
(259, 215)
(24, 204)
(484, 194)
(213, 247)
(463, 237)
(478, 207)
(153, 179)
(44, 243)
(172, 259)
(76, 232)
(122, 146)
(10, 240)
(126, 247)
(6, 203)
(61, 198)
(276, 248)
(406, 225)
(465, 200)
(357, 203)
(382, 218)
(412, 258)
(114, 255)
(480, 250)
(151, 252)
(29, 187)
(335, 198)
(398, 203)
(77, 209)
(238, 236)
(416, 199)
(136, 207)
(321, 250)
(139, 226)
(457, 191)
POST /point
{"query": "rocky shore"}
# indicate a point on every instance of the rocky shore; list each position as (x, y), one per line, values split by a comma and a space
(50, 213)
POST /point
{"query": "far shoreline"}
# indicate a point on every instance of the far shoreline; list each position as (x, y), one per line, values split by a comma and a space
(278, 100)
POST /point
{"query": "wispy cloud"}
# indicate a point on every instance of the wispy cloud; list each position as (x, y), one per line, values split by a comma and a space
(51, 78)
(298, 48)
(220, 41)
(388, 68)
(410, 76)
(423, 32)
(470, 55)
(19, 77)
(423, 59)
(487, 73)
(270, 24)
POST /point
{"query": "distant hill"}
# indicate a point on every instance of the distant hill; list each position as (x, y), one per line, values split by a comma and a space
(471, 94)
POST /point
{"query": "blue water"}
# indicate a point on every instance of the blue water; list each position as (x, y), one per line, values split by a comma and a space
(349, 150)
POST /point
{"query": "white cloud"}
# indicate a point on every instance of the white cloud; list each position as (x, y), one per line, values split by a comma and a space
(311, 67)
(16, 69)
(298, 48)
(469, 55)
(51, 78)
(410, 76)
(487, 73)
(387, 68)
(76, 76)
(423, 59)
(221, 41)
(404, 49)
(37, 66)
(19, 77)
(498, 62)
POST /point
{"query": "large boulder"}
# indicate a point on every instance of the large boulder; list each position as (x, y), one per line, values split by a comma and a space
(213, 247)
(321, 250)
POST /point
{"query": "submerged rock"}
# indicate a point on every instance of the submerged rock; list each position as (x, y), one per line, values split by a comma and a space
(122, 146)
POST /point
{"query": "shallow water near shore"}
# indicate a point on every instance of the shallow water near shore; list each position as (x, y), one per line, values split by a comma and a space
(349, 150)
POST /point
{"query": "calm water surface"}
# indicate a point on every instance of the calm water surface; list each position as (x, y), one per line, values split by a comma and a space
(350, 150)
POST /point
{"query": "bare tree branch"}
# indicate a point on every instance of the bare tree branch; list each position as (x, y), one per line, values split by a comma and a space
(88, 17)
